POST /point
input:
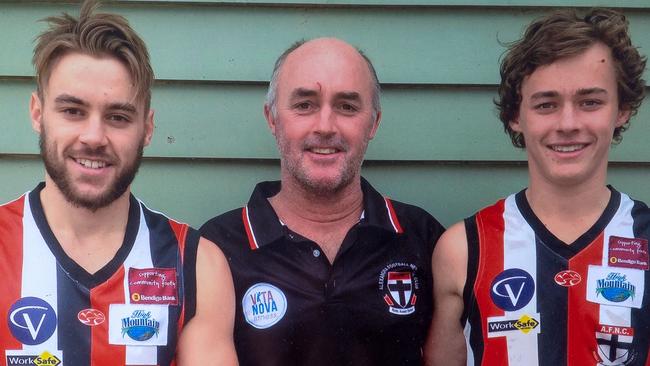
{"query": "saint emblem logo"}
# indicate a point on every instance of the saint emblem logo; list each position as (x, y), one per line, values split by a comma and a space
(399, 287)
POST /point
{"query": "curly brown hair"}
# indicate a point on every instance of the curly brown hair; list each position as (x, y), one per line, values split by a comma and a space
(94, 34)
(563, 34)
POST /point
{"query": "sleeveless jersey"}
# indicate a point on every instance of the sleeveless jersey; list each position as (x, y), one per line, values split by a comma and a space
(130, 312)
(531, 299)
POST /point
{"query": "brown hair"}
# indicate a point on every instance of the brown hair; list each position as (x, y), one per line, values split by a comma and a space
(564, 34)
(94, 34)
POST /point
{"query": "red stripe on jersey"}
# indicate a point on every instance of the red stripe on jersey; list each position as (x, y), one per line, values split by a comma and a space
(11, 257)
(393, 216)
(247, 226)
(180, 230)
(582, 316)
(110, 292)
(490, 226)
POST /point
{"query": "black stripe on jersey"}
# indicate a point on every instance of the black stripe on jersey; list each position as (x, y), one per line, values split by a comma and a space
(640, 318)
(69, 265)
(73, 336)
(554, 319)
(189, 272)
(471, 306)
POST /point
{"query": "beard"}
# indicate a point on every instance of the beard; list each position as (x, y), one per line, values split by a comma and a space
(56, 169)
(291, 158)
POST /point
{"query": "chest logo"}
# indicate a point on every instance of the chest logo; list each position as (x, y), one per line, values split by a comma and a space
(153, 286)
(32, 320)
(628, 253)
(399, 285)
(614, 345)
(91, 317)
(512, 289)
(568, 278)
(264, 305)
(140, 326)
(615, 287)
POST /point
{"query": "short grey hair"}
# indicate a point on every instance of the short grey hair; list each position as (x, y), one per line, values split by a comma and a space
(272, 93)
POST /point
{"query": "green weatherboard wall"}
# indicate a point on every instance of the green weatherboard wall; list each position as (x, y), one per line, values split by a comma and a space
(440, 144)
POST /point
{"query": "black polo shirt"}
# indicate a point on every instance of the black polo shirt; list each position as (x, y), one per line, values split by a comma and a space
(372, 306)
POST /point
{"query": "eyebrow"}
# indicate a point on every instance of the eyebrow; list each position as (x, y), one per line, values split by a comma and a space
(589, 91)
(544, 94)
(69, 99)
(581, 92)
(302, 92)
(348, 96)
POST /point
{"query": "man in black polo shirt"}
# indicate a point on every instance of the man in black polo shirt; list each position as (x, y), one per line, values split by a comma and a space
(327, 271)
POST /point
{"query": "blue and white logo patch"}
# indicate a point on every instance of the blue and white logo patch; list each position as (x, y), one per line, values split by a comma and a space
(264, 305)
(615, 286)
(512, 289)
(31, 320)
(138, 325)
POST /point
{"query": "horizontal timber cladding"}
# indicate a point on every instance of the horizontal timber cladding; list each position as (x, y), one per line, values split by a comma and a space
(412, 45)
(197, 190)
(440, 144)
(226, 121)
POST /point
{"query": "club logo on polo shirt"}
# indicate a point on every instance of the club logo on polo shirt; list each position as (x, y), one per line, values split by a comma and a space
(614, 345)
(399, 286)
(264, 305)
(31, 320)
(512, 289)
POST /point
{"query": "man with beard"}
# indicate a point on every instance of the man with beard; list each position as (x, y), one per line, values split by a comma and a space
(327, 271)
(555, 274)
(90, 275)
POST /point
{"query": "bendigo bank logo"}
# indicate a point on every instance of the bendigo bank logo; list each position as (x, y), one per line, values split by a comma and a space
(399, 286)
(264, 305)
(140, 326)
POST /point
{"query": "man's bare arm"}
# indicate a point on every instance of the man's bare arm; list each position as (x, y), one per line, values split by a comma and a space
(208, 337)
(445, 344)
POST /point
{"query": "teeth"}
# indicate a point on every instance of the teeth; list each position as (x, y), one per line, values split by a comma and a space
(323, 150)
(567, 148)
(92, 164)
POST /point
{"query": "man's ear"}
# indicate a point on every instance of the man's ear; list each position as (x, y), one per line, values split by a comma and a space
(622, 117)
(270, 119)
(148, 127)
(375, 125)
(36, 112)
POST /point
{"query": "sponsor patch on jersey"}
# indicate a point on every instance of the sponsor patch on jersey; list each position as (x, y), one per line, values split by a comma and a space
(399, 287)
(91, 317)
(512, 289)
(501, 326)
(568, 278)
(138, 325)
(628, 253)
(31, 320)
(614, 348)
(25, 357)
(153, 286)
(264, 305)
(615, 286)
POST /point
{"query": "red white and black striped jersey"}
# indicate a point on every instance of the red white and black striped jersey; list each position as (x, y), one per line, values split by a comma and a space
(531, 299)
(130, 312)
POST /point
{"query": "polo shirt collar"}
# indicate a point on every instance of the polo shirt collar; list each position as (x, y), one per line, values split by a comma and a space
(263, 225)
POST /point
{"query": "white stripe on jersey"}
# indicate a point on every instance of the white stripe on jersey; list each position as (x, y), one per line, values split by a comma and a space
(39, 272)
(519, 252)
(139, 257)
(620, 225)
(470, 352)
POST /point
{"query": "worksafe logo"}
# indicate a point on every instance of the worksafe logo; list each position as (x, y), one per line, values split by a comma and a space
(400, 286)
(500, 326)
(19, 357)
(264, 305)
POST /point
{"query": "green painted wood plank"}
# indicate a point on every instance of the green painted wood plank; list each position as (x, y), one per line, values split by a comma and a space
(226, 121)
(419, 45)
(194, 191)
